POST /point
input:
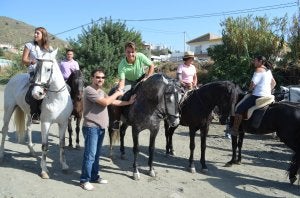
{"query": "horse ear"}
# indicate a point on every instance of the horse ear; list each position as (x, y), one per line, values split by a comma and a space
(53, 53)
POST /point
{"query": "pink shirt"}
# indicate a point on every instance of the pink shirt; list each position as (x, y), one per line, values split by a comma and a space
(67, 67)
(187, 72)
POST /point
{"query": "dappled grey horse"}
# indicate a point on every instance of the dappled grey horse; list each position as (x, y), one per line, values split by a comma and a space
(157, 99)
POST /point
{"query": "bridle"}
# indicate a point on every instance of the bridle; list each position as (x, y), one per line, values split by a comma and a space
(46, 85)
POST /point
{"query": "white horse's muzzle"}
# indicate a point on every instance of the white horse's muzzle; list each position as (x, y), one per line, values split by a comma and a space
(38, 93)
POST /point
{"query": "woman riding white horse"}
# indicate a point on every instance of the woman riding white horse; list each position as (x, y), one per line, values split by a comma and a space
(56, 106)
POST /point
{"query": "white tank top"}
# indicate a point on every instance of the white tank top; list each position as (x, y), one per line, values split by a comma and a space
(262, 82)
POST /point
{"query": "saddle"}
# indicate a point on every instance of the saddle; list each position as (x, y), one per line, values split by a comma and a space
(257, 111)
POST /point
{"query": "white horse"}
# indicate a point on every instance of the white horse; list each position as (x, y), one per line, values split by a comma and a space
(56, 107)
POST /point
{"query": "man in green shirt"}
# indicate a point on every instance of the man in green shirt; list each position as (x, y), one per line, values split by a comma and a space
(130, 72)
(131, 68)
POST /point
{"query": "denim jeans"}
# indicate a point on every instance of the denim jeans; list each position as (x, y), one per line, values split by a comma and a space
(93, 139)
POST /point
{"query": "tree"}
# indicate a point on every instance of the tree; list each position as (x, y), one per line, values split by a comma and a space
(294, 42)
(102, 44)
(243, 38)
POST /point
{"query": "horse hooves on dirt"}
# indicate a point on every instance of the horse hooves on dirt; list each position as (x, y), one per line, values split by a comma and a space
(228, 164)
(152, 173)
(136, 176)
(204, 170)
(292, 180)
(44, 175)
(193, 170)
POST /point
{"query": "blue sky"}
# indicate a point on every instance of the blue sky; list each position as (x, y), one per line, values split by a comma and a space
(58, 15)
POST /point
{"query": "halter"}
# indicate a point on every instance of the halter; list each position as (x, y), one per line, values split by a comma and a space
(167, 113)
(46, 85)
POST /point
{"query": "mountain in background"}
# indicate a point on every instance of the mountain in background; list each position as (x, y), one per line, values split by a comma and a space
(17, 33)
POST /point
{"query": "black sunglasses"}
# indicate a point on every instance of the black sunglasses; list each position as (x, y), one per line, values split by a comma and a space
(100, 77)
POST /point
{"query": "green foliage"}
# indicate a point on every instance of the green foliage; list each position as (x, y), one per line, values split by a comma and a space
(243, 39)
(7, 72)
(293, 55)
(102, 45)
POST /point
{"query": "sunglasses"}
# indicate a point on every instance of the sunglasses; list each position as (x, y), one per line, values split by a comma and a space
(100, 77)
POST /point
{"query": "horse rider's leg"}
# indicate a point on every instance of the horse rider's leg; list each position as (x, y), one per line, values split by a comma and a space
(7, 115)
(29, 135)
(135, 138)
(70, 131)
(45, 133)
(203, 136)
(122, 136)
(62, 131)
(153, 134)
(192, 148)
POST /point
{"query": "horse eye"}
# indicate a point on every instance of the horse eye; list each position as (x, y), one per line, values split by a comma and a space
(48, 70)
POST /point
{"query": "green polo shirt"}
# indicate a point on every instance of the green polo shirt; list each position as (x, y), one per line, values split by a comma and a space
(133, 71)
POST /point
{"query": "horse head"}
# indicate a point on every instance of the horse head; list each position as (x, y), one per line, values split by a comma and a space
(76, 83)
(228, 100)
(47, 76)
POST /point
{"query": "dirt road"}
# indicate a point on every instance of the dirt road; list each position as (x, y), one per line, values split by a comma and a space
(262, 174)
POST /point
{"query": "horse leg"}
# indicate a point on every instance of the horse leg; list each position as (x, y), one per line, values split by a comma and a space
(7, 115)
(62, 158)
(135, 138)
(192, 148)
(234, 147)
(293, 170)
(77, 132)
(29, 135)
(44, 131)
(203, 136)
(122, 136)
(110, 133)
(240, 145)
(153, 134)
(169, 131)
(70, 130)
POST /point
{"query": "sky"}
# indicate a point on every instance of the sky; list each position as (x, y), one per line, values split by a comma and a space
(187, 19)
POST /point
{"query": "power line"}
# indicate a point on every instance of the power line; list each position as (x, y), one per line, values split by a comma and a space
(233, 12)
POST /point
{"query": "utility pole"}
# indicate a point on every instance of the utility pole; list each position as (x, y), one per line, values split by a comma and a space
(184, 39)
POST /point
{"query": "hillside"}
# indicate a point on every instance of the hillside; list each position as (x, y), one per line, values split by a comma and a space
(18, 33)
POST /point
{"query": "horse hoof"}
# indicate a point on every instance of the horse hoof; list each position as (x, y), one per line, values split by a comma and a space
(193, 170)
(44, 175)
(136, 176)
(204, 170)
(228, 164)
(152, 173)
(77, 147)
(292, 180)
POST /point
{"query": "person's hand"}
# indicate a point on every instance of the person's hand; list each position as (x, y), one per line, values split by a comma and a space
(120, 92)
(32, 62)
(132, 99)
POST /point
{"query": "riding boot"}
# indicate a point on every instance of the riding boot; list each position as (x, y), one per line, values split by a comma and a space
(34, 104)
(236, 124)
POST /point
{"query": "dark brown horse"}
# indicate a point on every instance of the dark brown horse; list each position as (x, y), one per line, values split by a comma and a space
(280, 117)
(76, 83)
(196, 113)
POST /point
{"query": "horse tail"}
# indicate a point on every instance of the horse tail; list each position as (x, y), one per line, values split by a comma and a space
(20, 124)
